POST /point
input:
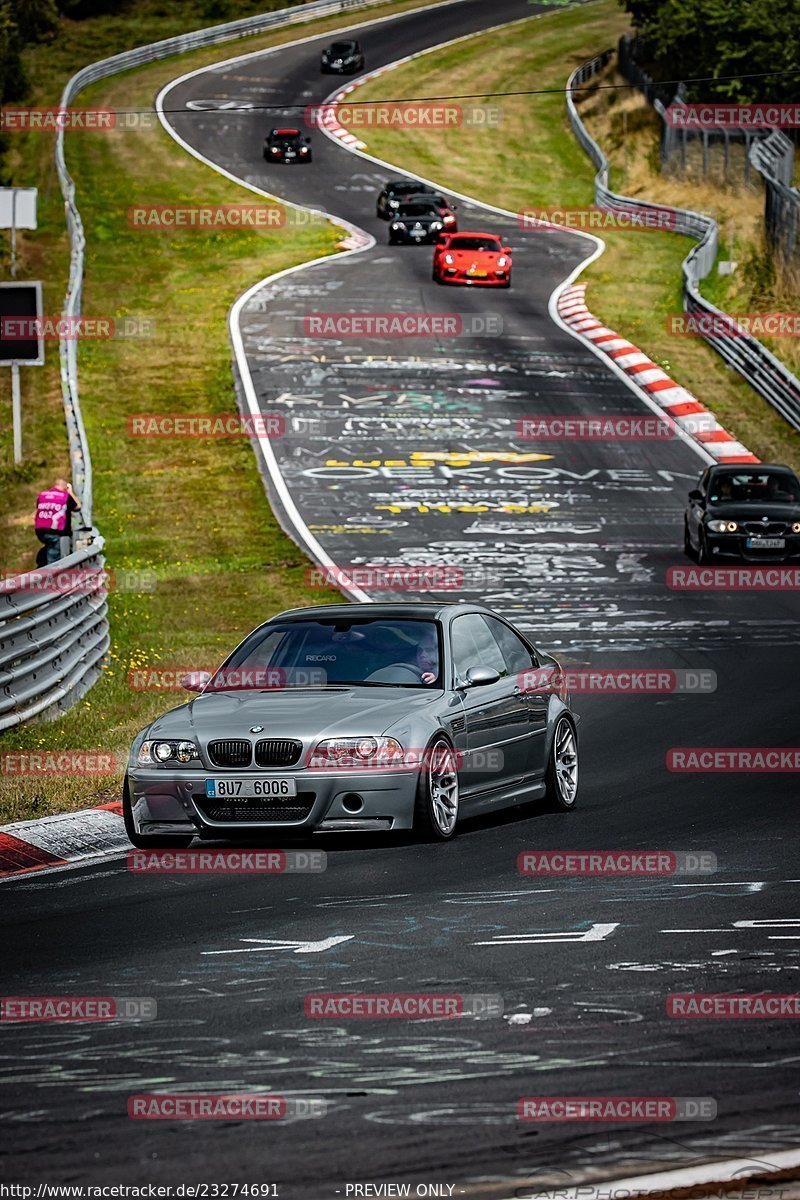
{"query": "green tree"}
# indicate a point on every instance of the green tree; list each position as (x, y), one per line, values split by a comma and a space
(713, 39)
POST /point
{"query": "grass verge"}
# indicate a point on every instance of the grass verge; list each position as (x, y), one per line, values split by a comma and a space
(534, 161)
(191, 511)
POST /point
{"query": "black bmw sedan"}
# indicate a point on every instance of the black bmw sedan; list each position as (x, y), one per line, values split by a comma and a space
(750, 513)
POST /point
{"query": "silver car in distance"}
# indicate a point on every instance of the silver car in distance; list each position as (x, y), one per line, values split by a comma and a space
(357, 717)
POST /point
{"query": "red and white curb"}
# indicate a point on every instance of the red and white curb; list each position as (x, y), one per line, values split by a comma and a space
(61, 840)
(677, 402)
(328, 117)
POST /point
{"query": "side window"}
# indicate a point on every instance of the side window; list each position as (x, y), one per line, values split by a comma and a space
(473, 645)
(516, 654)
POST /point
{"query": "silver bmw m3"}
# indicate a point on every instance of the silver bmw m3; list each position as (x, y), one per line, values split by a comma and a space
(357, 717)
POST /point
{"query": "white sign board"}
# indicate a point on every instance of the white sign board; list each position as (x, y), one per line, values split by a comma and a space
(18, 208)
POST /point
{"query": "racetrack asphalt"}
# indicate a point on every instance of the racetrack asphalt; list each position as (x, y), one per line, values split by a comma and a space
(229, 959)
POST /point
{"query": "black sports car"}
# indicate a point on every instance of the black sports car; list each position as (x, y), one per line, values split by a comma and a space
(417, 221)
(397, 192)
(747, 512)
(342, 58)
(287, 146)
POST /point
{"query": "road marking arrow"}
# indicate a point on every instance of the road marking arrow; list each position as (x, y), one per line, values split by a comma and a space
(275, 944)
(597, 933)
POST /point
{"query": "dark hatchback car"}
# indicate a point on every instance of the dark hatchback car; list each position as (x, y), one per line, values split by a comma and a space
(750, 513)
(342, 58)
(287, 146)
(401, 191)
(416, 222)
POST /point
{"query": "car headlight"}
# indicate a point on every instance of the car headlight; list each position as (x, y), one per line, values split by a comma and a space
(275, 150)
(356, 753)
(436, 224)
(397, 225)
(723, 526)
(795, 526)
(167, 750)
(502, 261)
(394, 204)
(304, 149)
(448, 258)
(449, 219)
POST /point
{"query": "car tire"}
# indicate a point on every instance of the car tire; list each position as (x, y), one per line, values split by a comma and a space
(688, 548)
(703, 556)
(437, 805)
(157, 841)
(561, 778)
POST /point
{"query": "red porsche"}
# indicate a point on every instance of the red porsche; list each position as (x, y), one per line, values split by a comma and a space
(472, 259)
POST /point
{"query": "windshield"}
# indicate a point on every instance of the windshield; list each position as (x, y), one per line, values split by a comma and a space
(342, 48)
(416, 210)
(754, 487)
(377, 652)
(475, 243)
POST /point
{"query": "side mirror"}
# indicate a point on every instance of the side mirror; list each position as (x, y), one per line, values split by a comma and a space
(308, 141)
(195, 681)
(480, 676)
(441, 238)
(507, 250)
(696, 494)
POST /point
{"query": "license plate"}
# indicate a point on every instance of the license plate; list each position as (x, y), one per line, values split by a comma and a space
(757, 543)
(290, 154)
(274, 787)
(477, 274)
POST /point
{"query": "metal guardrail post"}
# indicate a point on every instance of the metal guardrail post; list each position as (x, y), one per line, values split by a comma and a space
(761, 369)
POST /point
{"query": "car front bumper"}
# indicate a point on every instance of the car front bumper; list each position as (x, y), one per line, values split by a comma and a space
(733, 546)
(173, 802)
(461, 279)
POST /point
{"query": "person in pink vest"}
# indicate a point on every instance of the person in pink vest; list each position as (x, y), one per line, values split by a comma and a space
(54, 509)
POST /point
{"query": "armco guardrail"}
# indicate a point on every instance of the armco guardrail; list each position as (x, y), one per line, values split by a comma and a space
(79, 450)
(53, 635)
(773, 156)
(52, 641)
(762, 370)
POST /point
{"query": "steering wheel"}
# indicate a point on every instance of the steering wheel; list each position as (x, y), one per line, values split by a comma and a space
(379, 676)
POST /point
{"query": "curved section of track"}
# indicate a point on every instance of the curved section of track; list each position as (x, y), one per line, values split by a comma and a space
(408, 453)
